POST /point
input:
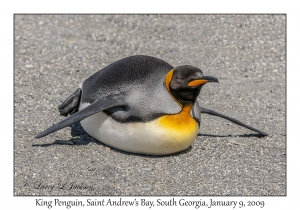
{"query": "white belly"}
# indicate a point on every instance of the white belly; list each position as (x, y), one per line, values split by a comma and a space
(162, 136)
(143, 138)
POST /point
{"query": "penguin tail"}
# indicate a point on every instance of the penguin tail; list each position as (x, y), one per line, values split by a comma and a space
(71, 104)
(212, 112)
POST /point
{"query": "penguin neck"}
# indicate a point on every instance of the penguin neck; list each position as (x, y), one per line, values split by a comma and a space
(184, 106)
(186, 109)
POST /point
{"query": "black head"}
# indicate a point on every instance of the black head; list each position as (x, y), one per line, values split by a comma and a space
(187, 82)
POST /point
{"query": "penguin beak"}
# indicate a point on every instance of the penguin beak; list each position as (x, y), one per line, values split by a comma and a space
(202, 81)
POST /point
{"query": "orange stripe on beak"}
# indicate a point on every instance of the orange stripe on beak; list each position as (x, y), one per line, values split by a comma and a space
(197, 82)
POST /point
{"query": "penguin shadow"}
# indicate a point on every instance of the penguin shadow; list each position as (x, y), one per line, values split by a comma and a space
(153, 156)
(80, 137)
(223, 136)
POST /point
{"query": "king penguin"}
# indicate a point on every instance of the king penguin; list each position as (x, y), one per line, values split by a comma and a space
(140, 104)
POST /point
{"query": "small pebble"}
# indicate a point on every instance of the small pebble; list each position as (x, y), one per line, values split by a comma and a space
(234, 141)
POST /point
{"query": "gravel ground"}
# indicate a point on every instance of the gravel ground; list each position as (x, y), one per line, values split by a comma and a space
(55, 53)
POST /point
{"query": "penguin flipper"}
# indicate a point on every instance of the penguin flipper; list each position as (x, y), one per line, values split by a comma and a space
(212, 112)
(71, 104)
(107, 102)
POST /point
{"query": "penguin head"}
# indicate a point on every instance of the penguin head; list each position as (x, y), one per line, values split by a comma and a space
(187, 82)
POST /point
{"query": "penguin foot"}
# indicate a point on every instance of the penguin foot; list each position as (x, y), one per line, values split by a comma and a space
(71, 104)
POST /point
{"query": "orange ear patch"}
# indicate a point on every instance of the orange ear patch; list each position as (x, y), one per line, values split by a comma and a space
(167, 84)
(168, 80)
(197, 82)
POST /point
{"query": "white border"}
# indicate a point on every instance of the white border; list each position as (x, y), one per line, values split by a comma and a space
(154, 6)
